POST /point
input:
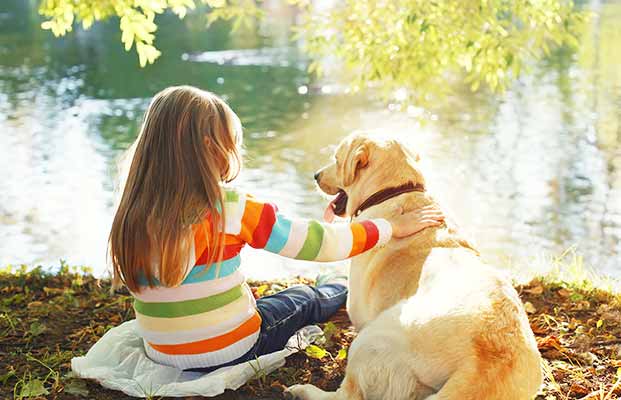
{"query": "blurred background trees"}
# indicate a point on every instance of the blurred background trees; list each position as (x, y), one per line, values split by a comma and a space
(408, 47)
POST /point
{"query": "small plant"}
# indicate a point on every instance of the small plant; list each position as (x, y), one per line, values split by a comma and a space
(27, 387)
(8, 375)
(329, 330)
(150, 393)
(259, 373)
(8, 321)
(57, 359)
(33, 386)
(51, 374)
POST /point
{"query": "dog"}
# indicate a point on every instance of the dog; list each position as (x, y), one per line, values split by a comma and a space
(434, 321)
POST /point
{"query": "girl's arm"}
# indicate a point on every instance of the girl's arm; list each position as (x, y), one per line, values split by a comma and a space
(261, 226)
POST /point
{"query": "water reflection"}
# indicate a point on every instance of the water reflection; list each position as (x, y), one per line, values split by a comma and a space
(535, 170)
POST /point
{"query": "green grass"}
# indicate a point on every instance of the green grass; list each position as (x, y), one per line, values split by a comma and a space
(567, 269)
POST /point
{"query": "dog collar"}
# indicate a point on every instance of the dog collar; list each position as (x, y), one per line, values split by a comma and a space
(386, 194)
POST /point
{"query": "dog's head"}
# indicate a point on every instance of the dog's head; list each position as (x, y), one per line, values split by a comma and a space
(362, 166)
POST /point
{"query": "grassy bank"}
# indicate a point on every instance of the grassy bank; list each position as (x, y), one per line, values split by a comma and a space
(48, 318)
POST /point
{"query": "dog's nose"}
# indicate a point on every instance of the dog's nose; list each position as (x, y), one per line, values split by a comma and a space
(316, 176)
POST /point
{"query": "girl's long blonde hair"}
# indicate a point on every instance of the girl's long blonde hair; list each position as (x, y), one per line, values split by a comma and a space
(187, 147)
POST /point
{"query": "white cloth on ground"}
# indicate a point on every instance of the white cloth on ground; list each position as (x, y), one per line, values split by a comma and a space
(118, 361)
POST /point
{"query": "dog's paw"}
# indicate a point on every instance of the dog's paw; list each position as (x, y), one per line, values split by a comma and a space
(300, 392)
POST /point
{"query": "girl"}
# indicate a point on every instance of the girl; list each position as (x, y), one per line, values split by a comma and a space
(178, 231)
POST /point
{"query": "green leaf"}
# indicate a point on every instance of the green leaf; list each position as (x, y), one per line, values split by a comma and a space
(215, 3)
(316, 352)
(342, 354)
(576, 297)
(48, 25)
(87, 22)
(329, 330)
(33, 388)
(37, 328)
(261, 290)
(146, 53)
(127, 37)
(600, 323)
(77, 387)
(475, 85)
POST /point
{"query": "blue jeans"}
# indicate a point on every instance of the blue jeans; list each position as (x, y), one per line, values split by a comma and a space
(283, 313)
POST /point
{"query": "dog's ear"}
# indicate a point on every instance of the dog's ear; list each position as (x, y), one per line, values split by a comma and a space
(357, 157)
(410, 155)
(414, 156)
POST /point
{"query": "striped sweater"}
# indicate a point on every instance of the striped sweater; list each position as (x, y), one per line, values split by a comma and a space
(211, 318)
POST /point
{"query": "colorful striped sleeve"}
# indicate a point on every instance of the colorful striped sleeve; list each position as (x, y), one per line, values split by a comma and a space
(263, 227)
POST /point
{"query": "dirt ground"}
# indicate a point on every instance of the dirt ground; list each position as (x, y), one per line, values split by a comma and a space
(46, 319)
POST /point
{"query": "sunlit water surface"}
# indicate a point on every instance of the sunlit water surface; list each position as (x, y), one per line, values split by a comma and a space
(527, 173)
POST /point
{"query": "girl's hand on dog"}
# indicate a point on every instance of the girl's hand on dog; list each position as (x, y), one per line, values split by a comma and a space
(415, 221)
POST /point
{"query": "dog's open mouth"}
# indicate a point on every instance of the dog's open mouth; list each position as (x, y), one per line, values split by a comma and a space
(339, 203)
(337, 206)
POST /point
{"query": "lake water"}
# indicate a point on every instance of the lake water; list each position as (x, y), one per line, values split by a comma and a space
(528, 173)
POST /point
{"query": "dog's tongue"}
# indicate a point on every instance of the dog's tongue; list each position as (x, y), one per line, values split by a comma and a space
(336, 207)
(328, 214)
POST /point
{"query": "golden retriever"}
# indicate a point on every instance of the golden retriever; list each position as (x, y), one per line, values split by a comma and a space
(434, 322)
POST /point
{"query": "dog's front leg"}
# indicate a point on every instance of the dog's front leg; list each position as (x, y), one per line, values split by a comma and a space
(308, 392)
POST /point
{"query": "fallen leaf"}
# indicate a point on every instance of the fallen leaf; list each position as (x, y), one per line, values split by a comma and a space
(582, 342)
(535, 290)
(261, 290)
(553, 354)
(600, 394)
(316, 352)
(578, 388)
(34, 304)
(549, 342)
(529, 307)
(278, 386)
(587, 358)
(50, 290)
(538, 328)
(559, 374)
